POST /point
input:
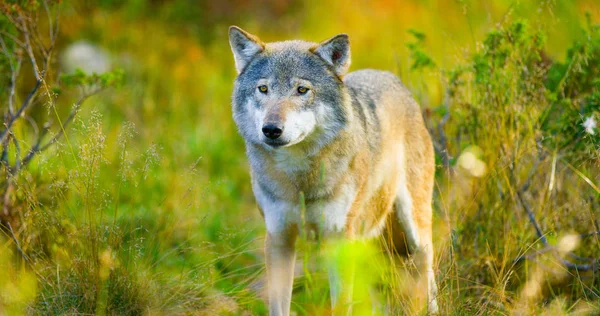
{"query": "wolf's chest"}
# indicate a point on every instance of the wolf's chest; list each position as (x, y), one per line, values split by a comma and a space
(324, 215)
(292, 162)
(316, 176)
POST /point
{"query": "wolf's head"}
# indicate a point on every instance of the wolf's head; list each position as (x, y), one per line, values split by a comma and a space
(290, 92)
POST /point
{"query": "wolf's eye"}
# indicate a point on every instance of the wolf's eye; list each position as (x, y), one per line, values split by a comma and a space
(263, 88)
(302, 90)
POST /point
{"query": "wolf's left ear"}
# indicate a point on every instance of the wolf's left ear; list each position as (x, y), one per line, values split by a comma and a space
(244, 46)
(336, 52)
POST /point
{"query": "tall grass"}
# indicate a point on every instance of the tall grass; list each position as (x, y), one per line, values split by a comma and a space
(504, 108)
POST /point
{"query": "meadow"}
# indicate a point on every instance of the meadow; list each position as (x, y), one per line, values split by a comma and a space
(141, 202)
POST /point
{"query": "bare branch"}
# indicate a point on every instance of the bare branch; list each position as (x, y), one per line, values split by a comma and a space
(35, 148)
(13, 85)
(57, 24)
(23, 254)
(29, 50)
(444, 140)
(15, 70)
(4, 156)
(586, 235)
(38, 147)
(18, 152)
(532, 220)
(441, 145)
(14, 39)
(592, 264)
(25, 104)
(14, 238)
(49, 17)
(34, 125)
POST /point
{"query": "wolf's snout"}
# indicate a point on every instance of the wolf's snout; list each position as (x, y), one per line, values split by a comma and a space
(272, 131)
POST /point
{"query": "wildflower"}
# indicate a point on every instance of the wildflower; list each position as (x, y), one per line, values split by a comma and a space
(469, 161)
(568, 243)
(589, 125)
(87, 57)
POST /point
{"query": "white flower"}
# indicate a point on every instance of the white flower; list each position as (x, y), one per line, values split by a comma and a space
(87, 56)
(589, 125)
(469, 162)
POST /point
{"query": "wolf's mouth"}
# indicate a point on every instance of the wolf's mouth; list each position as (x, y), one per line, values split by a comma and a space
(276, 143)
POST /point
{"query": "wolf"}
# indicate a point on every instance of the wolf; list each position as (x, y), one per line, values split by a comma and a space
(344, 154)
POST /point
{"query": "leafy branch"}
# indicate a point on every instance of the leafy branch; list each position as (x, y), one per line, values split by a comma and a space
(21, 39)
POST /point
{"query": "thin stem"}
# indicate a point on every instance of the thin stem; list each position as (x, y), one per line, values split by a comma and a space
(24, 105)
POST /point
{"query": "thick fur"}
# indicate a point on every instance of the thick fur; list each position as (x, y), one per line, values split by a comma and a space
(354, 146)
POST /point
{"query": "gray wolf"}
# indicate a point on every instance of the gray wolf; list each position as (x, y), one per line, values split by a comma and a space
(353, 145)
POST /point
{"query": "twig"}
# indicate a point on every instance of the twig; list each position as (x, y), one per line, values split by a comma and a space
(441, 146)
(14, 238)
(532, 220)
(14, 39)
(18, 153)
(4, 156)
(24, 255)
(586, 235)
(592, 266)
(443, 139)
(50, 30)
(25, 104)
(38, 147)
(548, 249)
(15, 70)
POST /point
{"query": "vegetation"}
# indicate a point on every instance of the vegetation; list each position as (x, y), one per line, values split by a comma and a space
(127, 192)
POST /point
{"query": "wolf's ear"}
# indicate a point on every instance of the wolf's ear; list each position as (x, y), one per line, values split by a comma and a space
(336, 52)
(244, 46)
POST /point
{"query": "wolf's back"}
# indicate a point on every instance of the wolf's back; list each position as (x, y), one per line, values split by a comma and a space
(372, 81)
(375, 86)
(380, 95)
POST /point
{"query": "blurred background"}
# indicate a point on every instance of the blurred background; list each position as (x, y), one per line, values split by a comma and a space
(143, 204)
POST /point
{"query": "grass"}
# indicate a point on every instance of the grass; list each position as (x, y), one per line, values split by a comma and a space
(146, 206)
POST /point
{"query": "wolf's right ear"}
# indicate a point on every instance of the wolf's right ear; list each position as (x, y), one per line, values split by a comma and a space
(336, 52)
(244, 46)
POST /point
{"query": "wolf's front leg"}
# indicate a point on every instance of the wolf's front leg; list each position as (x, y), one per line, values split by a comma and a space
(280, 252)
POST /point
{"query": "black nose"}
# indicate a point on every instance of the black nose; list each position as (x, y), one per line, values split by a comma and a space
(272, 131)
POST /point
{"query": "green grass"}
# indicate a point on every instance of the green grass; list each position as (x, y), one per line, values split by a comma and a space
(146, 206)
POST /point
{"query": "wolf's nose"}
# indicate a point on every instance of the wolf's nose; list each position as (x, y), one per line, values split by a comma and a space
(272, 131)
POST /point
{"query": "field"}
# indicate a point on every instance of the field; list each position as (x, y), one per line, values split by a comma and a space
(141, 203)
